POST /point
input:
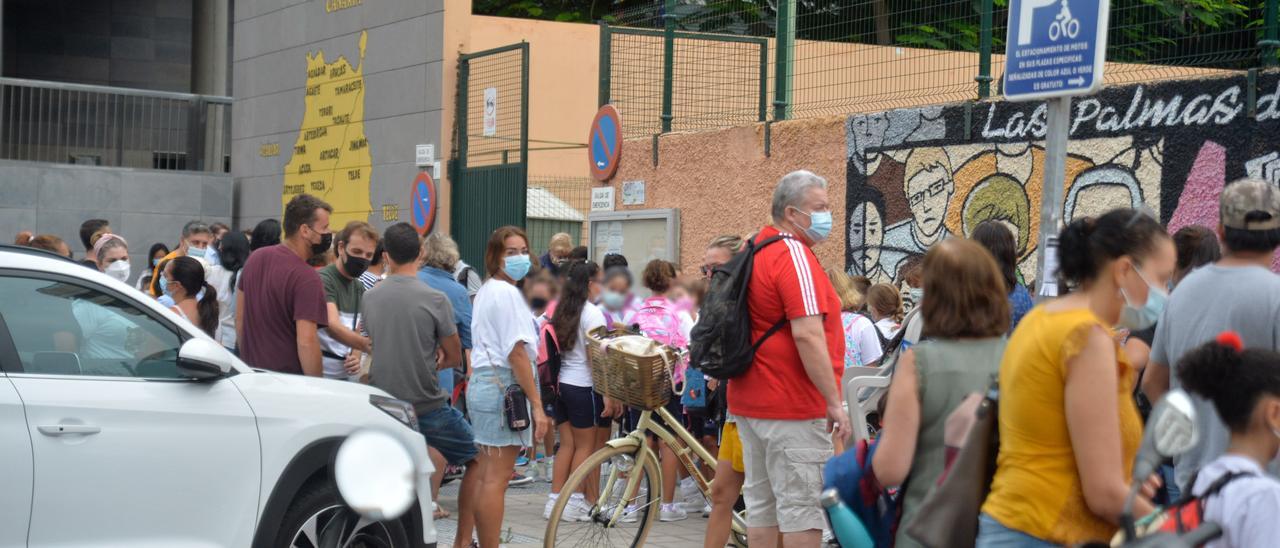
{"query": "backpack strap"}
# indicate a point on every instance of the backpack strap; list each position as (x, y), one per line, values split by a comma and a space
(782, 322)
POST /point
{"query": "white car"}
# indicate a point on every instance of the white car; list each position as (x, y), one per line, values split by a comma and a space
(123, 425)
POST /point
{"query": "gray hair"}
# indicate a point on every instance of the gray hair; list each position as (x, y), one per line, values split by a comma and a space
(440, 251)
(791, 190)
(195, 227)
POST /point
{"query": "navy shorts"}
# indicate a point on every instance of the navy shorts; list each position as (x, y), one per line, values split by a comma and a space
(580, 406)
(450, 434)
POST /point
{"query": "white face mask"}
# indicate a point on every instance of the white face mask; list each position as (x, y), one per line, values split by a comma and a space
(119, 270)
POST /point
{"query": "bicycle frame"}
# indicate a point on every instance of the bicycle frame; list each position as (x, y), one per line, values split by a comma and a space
(685, 451)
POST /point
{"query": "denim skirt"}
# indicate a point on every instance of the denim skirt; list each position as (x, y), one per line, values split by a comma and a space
(485, 393)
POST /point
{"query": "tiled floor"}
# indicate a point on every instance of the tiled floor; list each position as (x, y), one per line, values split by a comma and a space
(523, 524)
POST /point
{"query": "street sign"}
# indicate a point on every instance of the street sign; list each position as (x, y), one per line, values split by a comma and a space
(1055, 48)
(491, 112)
(604, 144)
(422, 202)
(424, 155)
(602, 199)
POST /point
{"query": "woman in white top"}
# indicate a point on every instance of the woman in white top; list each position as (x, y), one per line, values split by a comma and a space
(1235, 490)
(233, 251)
(504, 345)
(582, 416)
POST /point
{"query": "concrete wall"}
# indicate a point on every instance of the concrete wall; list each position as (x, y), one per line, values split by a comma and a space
(126, 43)
(399, 64)
(1170, 146)
(143, 206)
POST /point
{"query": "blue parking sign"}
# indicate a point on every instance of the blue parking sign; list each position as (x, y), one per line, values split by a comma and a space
(1055, 48)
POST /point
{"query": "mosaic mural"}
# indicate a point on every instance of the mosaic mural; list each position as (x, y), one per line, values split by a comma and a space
(916, 176)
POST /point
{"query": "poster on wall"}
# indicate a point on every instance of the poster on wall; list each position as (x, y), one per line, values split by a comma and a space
(916, 176)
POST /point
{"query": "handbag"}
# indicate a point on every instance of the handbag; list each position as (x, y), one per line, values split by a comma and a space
(949, 514)
(515, 408)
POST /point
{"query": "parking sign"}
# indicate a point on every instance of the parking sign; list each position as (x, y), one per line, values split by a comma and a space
(1055, 48)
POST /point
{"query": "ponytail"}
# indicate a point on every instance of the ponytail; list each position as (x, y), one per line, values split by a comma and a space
(208, 309)
(1230, 376)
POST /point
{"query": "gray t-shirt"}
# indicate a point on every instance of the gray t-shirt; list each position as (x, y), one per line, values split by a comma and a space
(1213, 299)
(406, 320)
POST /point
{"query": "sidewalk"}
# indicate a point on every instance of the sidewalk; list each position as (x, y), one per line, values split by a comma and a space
(523, 524)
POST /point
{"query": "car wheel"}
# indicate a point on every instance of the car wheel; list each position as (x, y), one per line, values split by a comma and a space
(318, 518)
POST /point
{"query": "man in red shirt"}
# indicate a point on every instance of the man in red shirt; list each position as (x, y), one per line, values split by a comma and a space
(280, 303)
(787, 404)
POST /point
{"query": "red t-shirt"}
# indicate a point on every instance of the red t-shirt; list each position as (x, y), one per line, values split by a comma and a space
(279, 289)
(786, 281)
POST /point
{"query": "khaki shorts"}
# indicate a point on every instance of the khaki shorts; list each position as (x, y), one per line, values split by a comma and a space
(783, 461)
(731, 447)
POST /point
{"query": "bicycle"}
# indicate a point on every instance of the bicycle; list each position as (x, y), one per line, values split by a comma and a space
(630, 491)
(626, 507)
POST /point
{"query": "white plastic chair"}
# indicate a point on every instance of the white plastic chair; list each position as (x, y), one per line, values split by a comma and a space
(859, 409)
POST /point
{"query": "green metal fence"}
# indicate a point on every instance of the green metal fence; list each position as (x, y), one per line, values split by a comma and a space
(824, 57)
(489, 167)
(557, 204)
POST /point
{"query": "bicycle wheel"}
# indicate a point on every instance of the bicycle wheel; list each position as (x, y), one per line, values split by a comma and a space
(604, 524)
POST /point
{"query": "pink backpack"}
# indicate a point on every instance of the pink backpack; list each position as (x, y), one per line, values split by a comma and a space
(659, 321)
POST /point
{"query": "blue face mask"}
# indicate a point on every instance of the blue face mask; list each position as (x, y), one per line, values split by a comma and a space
(516, 266)
(1137, 318)
(164, 287)
(819, 225)
(195, 252)
(613, 300)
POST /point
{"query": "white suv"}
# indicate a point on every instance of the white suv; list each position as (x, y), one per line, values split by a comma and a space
(123, 425)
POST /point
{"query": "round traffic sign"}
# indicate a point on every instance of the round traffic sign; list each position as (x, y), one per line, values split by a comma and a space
(604, 145)
(422, 202)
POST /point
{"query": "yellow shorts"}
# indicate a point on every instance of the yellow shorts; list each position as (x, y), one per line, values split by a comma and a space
(731, 447)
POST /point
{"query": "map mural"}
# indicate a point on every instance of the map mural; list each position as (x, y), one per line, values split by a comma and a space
(331, 158)
(916, 176)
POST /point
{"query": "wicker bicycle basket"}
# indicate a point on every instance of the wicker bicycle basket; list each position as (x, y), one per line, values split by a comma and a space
(631, 368)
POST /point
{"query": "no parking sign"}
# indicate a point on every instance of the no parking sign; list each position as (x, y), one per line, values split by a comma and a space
(604, 145)
(422, 202)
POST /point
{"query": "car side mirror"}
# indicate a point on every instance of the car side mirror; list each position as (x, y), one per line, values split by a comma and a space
(376, 474)
(203, 359)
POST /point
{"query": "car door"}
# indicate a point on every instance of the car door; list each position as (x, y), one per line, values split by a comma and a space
(15, 467)
(126, 451)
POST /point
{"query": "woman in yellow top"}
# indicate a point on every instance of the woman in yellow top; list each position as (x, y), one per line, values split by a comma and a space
(1069, 430)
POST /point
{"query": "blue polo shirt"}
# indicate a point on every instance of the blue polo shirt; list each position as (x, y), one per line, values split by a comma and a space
(443, 282)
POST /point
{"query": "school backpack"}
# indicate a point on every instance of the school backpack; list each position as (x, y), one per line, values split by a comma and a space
(549, 358)
(876, 507)
(1187, 513)
(657, 320)
(887, 345)
(722, 347)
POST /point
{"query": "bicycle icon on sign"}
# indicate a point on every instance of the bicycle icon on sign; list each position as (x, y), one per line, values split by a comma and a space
(1064, 24)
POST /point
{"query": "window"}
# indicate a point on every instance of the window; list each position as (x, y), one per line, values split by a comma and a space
(63, 328)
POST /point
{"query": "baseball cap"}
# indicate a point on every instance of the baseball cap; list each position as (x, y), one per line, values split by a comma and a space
(1250, 204)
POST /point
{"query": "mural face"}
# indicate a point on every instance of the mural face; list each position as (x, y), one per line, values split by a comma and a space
(917, 176)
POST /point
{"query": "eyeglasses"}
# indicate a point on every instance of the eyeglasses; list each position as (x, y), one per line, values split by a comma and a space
(938, 187)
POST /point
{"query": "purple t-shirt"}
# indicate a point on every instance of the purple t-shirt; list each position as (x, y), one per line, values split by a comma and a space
(279, 289)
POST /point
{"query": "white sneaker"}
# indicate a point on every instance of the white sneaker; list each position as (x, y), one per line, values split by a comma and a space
(706, 510)
(672, 512)
(551, 502)
(577, 510)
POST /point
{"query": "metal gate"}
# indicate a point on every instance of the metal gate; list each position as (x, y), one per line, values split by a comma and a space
(490, 165)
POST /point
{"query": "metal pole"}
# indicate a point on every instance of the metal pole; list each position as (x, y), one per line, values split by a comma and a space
(984, 52)
(785, 43)
(1055, 174)
(668, 61)
(1270, 43)
(606, 52)
(764, 80)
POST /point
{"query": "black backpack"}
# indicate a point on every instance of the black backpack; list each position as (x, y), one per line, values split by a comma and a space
(886, 345)
(721, 345)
